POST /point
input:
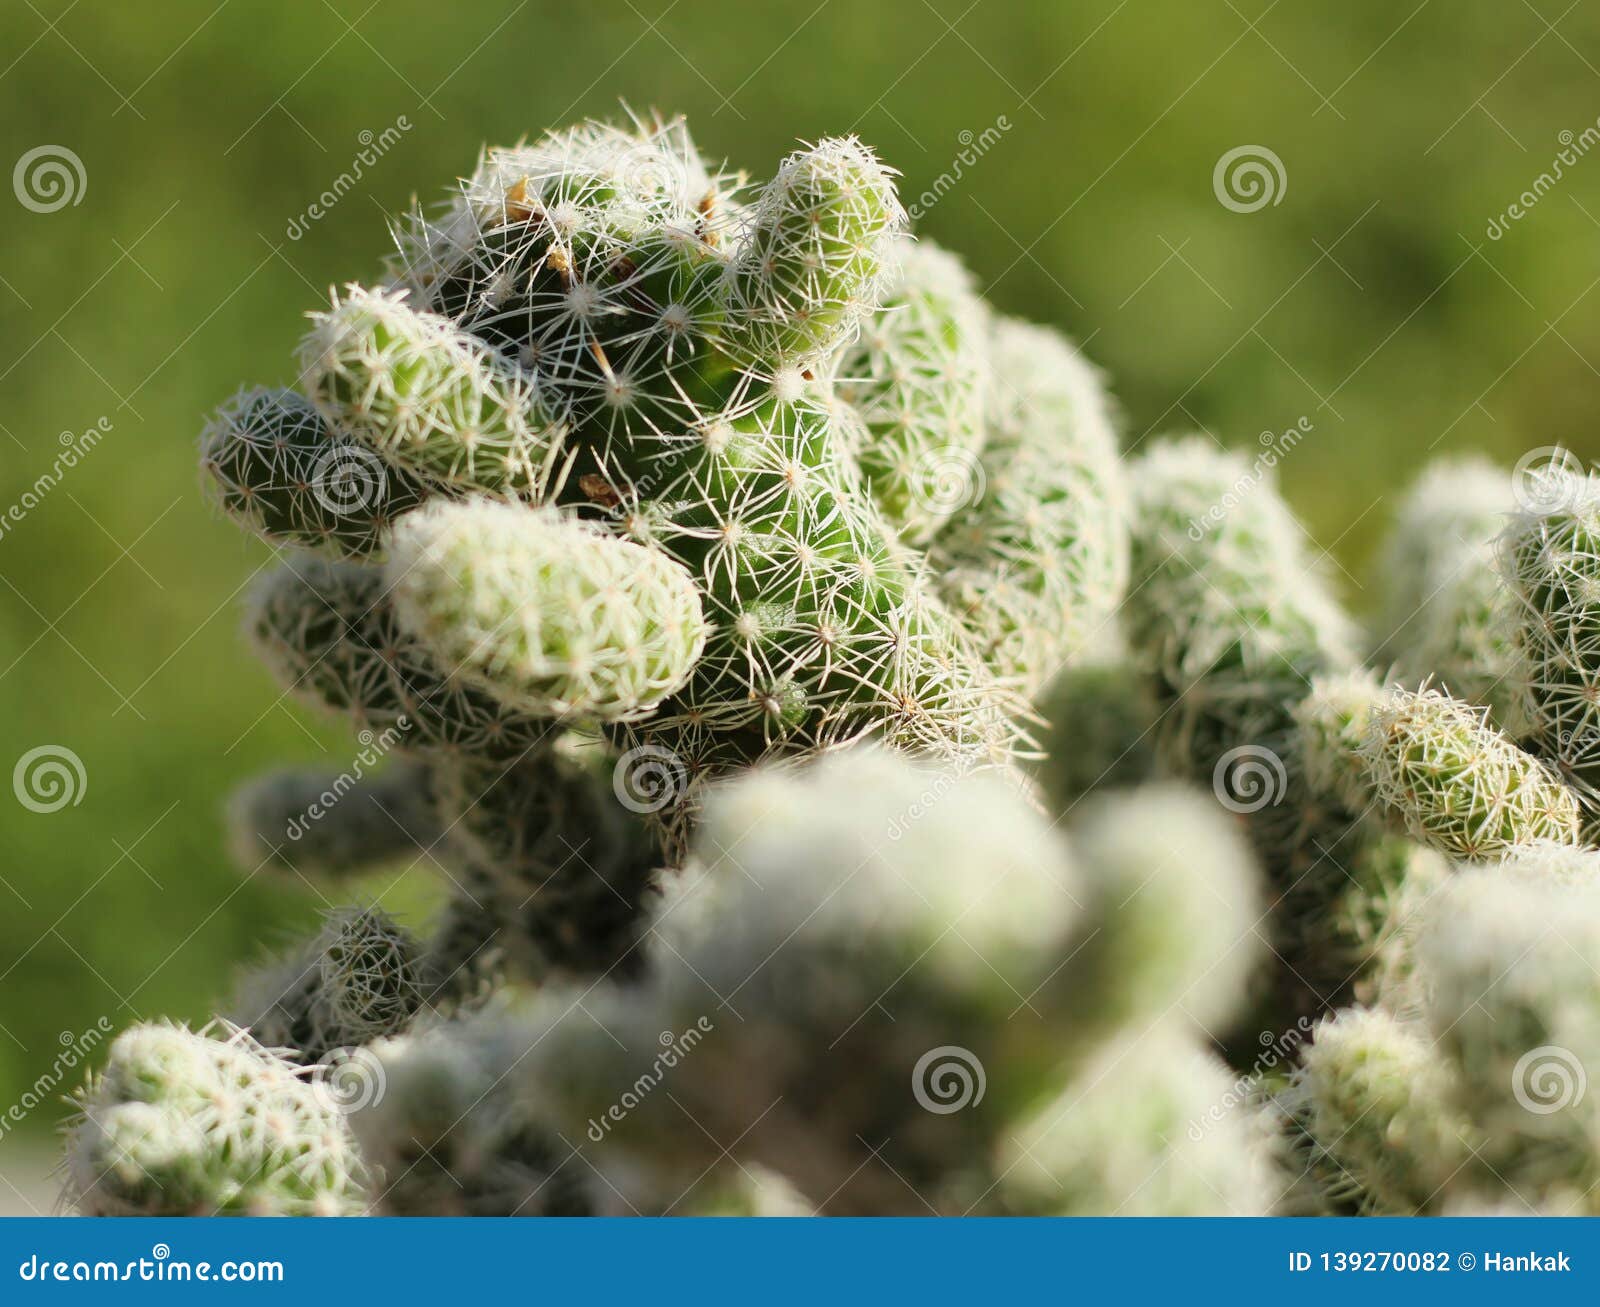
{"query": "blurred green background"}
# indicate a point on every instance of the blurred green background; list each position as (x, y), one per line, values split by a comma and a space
(1368, 299)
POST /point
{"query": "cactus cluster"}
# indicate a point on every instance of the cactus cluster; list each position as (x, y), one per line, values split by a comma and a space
(854, 786)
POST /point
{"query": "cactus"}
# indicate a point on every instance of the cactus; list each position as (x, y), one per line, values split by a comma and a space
(1551, 561)
(1444, 610)
(800, 701)
(1458, 783)
(871, 950)
(359, 979)
(331, 824)
(209, 1123)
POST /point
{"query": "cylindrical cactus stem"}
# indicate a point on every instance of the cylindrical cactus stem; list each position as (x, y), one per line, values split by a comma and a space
(1153, 1126)
(551, 616)
(358, 979)
(1551, 560)
(272, 462)
(448, 1140)
(1457, 783)
(209, 1123)
(330, 634)
(919, 376)
(1036, 562)
(1233, 616)
(1514, 999)
(559, 870)
(1332, 722)
(431, 399)
(1101, 734)
(815, 258)
(326, 823)
(1445, 610)
(1376, 1101)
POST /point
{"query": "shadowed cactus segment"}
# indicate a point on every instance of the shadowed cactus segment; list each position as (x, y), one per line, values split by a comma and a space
(273, 463)
(329, 632)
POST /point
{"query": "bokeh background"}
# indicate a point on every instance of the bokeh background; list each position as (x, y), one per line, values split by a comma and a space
(1366, 297)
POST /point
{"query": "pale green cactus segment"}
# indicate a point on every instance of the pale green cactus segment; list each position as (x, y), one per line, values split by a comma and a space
(1377, 916)
(1233, 616)
(1551, 561)
(1175, 894)
(1333, 721)
(1225, 596)
(1445, 612)
(209, 1123)
(551, 616)
(272, 462)
(1376, 1099)
(815, 257)
(1514, 998)
(431, 399)
(1153, 1126)
(1037, 563)
(918, 374)
(329, 632)
(1456, 782)
(333, 823)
